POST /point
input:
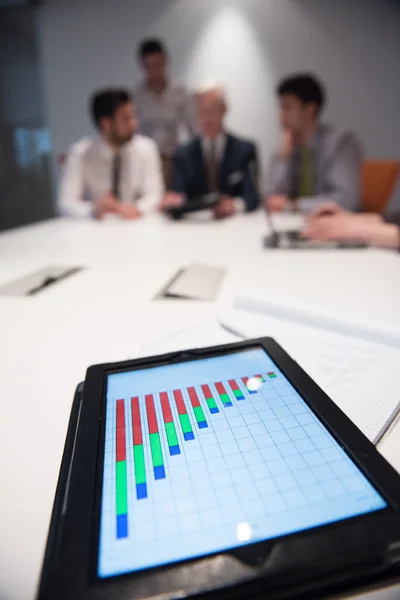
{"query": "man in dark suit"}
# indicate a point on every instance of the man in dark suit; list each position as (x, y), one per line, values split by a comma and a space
(215, 161)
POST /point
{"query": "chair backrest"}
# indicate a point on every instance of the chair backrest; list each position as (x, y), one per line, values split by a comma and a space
(378, 180)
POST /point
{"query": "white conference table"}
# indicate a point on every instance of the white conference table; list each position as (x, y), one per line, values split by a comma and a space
(107, 313)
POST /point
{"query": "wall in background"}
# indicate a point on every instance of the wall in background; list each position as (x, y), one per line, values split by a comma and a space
(25, 150)
(353, 45)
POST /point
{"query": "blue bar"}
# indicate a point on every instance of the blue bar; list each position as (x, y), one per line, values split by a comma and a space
(188, 436)
(214, 410)
(141, 491)
(238, 398)
(173, 450)
(122, 526)
(228, 404)
(159, 472)
(252, 391)
(202, 424)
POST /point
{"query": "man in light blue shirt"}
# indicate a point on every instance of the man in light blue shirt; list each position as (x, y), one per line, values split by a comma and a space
(315, 162)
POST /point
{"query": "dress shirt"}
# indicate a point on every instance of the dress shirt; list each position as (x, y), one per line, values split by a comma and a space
(220, 145)
(89, 170)
(337, 162)
(163, 116)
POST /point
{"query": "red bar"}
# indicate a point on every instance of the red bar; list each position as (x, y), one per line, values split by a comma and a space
(180, 403)
(245, 380)
(151, 414)
(166, 408)
(220, 388)
(193, 397)
(233, 384)
(136, 423)
(120, 447)
(260, 376)
(206, 391)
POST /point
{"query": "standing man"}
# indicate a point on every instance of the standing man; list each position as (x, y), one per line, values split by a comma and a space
(118, 171)
(163, 106)
(315, 163)
(216, 161)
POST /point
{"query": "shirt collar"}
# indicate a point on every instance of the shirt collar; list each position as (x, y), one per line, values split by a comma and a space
(146, 89)
(220, 143)
(106, 150)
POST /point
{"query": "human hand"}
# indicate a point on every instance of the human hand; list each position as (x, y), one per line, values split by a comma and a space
(341, 225)
(286, 144)
(106, 204)
(326, 209)
(129, 211)
(225, 208)
(277, 203)
(172, 200)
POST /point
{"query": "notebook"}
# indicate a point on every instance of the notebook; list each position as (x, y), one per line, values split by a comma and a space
(360, 376)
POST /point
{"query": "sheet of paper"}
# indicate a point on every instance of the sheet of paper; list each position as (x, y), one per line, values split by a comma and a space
(209, 333)
(360, 376)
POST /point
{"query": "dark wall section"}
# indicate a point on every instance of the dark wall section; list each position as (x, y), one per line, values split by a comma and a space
(26, 193)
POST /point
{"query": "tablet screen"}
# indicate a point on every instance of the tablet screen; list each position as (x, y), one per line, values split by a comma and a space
(207, 455)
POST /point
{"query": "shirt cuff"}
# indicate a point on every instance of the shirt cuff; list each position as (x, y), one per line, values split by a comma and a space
(240, 205)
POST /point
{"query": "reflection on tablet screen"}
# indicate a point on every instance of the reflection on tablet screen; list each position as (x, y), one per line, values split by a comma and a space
(207, 455)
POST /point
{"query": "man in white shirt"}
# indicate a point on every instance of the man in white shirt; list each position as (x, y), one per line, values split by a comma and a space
(119, 172)
(164, 107)
(216, 161)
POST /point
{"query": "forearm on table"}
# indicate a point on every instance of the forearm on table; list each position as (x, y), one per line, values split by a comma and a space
(75, 207)
(307, 204)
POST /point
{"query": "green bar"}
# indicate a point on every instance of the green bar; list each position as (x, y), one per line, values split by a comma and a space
(138, 457)
(185, 423)
(171, 434)
(225, 398)
(238, 393)
(198, 411)
(156, 452)
(261, 378)
(121, 488)
(211, 403)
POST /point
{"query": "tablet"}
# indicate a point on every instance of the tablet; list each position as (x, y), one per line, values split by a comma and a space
(195, 204)
(216, 471)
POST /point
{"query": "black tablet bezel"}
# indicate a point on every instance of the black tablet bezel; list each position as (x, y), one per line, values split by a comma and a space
(73, 569)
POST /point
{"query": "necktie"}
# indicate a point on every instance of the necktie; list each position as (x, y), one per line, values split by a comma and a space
(212, 168)
(116, 175)
(306, 185)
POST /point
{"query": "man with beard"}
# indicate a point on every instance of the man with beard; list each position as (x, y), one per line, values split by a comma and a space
(117, 172)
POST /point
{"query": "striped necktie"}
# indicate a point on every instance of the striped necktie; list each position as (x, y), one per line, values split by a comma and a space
(306, 181)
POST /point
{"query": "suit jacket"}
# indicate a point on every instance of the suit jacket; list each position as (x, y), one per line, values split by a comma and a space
(238, 171)
(337, 159)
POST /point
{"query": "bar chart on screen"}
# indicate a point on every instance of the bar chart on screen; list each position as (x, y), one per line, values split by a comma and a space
(139, 425)
(208, 454)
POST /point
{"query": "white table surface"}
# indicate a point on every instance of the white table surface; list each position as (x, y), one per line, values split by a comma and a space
(107, 313)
